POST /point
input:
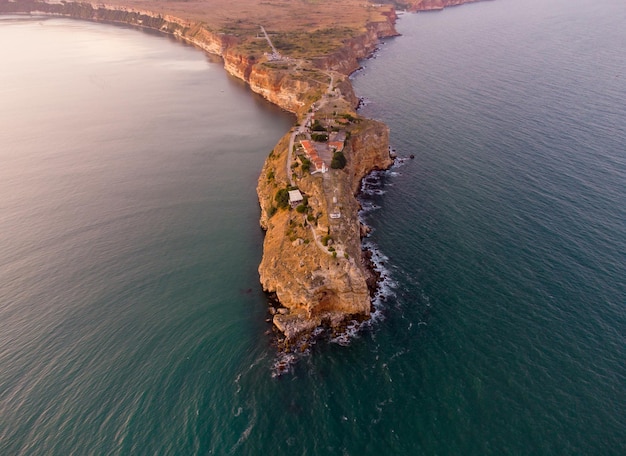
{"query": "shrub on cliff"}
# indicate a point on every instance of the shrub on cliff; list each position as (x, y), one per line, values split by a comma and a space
(282, 198)
(339, 161)
(317, 126)
(306, 164)
(349, 117)
(319, 137)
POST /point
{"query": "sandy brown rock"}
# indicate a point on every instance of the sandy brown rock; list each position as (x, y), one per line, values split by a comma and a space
(317, 286)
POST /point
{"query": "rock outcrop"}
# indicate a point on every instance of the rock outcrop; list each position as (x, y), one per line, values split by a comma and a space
(313, 262)
(346, 59)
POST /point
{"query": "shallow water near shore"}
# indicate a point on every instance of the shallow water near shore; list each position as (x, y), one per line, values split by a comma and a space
(131, 319)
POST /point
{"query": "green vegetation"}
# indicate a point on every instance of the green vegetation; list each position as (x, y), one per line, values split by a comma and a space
(325, 240)
(339, 161)
(319, 137)
(307, 44)
(271, 211)
(276, 66)
(306, 164)
(282, 198)
(301, 209)
(317, 126)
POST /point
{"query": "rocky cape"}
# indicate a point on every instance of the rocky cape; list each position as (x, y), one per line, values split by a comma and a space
(313, 263)
(312, 255)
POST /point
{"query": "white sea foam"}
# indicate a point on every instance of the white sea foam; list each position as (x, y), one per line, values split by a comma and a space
(386, 290)
(245, 434)
(283, 364)
(371, 186)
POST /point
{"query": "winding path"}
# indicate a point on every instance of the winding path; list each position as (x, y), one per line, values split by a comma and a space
(302, 127)
(275, 53)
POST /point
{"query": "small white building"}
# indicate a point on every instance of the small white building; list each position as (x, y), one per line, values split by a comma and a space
(295, 197)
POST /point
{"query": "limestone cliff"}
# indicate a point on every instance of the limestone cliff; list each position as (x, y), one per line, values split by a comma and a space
(312, 257)
(346, 59)
(311, 261)
(301, 261)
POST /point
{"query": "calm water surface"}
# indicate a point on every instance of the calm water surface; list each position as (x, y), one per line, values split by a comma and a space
(131, 321)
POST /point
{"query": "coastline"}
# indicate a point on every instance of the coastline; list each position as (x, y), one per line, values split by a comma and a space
(314, 261)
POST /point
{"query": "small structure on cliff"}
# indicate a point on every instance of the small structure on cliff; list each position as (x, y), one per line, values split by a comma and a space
(295, 197)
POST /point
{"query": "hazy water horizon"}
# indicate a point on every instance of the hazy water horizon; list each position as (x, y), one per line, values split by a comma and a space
(131, 316)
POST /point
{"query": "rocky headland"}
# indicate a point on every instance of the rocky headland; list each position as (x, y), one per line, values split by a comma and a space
(313, 260)
(313, 263)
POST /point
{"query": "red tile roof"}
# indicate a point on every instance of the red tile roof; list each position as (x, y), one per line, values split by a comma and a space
(337, 145)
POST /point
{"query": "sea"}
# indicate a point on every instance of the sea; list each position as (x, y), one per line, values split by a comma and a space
(132, 321)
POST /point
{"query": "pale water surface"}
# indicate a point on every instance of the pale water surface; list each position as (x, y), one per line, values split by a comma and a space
(131, 320)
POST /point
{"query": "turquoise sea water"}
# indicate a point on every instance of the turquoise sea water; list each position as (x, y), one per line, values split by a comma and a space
(131, 320)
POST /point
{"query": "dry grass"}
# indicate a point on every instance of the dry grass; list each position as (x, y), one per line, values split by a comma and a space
(298, 27)
(275, 15)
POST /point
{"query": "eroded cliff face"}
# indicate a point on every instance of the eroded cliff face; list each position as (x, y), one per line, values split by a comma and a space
(346, 59)
(319, 284)
(311, 261)
(275, 84)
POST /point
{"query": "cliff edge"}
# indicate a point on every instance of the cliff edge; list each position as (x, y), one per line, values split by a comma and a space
(312, 261)
(312, 255)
